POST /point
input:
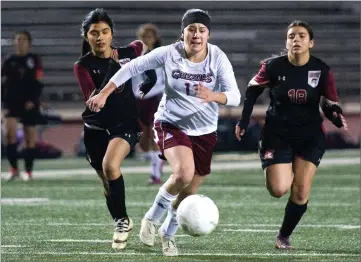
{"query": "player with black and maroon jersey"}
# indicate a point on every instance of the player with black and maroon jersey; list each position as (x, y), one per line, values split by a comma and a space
(109, 135)
(292, 142)
(20, 95)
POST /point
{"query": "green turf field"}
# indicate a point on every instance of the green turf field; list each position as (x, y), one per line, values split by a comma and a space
(65, 218)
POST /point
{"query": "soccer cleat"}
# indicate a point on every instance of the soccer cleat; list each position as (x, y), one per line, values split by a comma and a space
(154, 181)
(26, 176)
(121, 232)
(283, 243)
(14, 174)
(147, 232)
(169, 247)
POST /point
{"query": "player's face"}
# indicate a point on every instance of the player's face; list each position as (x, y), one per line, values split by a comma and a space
(99, 37)
(22, 43)
(298, 40)
(195, 37)
(148, 38)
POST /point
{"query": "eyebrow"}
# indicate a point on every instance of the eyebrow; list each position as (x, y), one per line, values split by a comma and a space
(94, 30)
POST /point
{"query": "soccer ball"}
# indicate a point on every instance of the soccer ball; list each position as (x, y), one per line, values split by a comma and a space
(197, 215)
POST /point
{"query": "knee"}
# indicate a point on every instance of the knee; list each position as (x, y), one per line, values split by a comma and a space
(110, 169)
(277, 192)
(184, 175)
(300, 194)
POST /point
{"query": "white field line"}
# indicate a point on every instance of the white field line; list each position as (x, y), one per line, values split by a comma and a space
(236, 225)
(220, 166)
(96, 203)
(12, 246)
(187, 254)
(205, 187)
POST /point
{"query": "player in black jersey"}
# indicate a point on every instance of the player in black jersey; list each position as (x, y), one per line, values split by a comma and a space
(110, 134)
(20, 96)
(292, 142)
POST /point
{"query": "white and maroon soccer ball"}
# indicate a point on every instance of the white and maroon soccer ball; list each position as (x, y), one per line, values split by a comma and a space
(197, 215)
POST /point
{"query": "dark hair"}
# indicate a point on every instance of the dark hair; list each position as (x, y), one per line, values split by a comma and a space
(199, 14)
(154, 29)
(26, 33)
(302, 23)
(95, 16)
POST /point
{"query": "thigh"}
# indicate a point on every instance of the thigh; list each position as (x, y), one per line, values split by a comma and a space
(312, 149)
(304, 172)
(116, 152)
(203, 147)
(30, 135)
(96, 143)
(279, 178)
(11, 125)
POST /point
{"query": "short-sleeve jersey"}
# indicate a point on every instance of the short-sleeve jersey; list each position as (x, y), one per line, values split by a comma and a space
(295, 92)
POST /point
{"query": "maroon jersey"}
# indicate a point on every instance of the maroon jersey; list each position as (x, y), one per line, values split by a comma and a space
(295, 93)
(20, 78)
(93, 73)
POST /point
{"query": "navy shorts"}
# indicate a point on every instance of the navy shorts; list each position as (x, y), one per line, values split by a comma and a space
(28, 118)
(96, 142)
(278, 148)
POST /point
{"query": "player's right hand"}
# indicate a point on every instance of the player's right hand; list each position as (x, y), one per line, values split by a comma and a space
(97, 102)
(239, 132)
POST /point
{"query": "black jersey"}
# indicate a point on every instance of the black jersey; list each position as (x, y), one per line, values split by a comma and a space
(20, 79)
(295, 93)
(93, 73)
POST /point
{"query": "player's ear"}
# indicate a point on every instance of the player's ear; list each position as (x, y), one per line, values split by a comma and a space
(311, 44)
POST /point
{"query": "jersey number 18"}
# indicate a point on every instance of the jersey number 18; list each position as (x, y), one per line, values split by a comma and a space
(298, 96)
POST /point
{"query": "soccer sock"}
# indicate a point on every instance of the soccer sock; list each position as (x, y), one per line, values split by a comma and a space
(109, 205)
(161, 204)
(170, 225)
(117, 196)
(29, 159)
(156, 164)
(293, 214)
(12, 155)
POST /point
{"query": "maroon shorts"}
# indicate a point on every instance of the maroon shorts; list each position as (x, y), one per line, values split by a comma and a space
(147, 109)
(202, 146)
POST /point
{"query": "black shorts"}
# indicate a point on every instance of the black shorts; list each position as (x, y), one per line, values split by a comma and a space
(278, 148)
(28, 118)
(96, 142)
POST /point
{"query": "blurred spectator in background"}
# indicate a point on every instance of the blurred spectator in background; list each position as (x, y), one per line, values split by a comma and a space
(148, 105)
(20, 96)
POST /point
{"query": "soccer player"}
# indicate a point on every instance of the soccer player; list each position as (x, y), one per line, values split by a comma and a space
(292, 142)
(109, 135)
(199, 76)
(148, 104)
(21, 88)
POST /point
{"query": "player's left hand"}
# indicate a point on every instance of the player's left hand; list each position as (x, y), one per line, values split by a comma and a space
(345, 131)
(203, 92)
(29, 105)
(97, 102)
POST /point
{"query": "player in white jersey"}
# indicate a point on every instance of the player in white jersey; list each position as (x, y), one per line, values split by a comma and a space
(199, 76)
(149, 34)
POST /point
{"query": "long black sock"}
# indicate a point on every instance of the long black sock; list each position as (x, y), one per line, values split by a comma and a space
(12, 155)
(109, 205)
(29, 159)
(117, 196)
(293, 214)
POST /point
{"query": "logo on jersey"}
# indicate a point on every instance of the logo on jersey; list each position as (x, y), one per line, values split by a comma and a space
(314, 78)
(176, 74)
(30, 63)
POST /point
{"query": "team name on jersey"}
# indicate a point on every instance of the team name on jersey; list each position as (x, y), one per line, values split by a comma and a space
(176, 74)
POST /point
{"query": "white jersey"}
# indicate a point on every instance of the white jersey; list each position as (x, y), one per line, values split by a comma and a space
(179, 106)
(156, 90)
